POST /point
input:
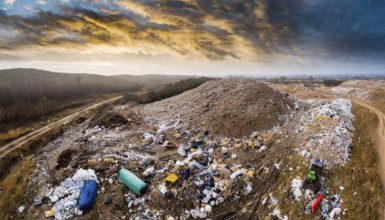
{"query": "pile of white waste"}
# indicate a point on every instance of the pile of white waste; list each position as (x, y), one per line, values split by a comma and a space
(296, 186)
(352, 92)
(326, 132)
(66, 195)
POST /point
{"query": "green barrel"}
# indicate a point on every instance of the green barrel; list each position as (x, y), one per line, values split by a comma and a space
(134, 183)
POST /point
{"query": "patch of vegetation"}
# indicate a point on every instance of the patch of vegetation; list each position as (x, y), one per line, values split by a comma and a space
(363, 195)
(332, 82)
(13, 134)
(14, 190)
(173, 89)
(8, 162)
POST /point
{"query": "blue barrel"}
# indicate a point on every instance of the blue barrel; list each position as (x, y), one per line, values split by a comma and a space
(88, 195)
(134, 183)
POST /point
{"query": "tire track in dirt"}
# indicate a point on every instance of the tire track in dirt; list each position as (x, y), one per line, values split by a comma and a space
(380, 136)
(6, 149)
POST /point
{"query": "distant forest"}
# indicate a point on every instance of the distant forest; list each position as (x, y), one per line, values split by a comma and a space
(172, 89)
(29, 93)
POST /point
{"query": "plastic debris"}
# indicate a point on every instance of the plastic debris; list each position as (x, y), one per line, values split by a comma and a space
(66, 195)
(88, 195)
(38, 200)
(197, 214)
(296, 185)
(172, 178)
(21, 209)
(317, 203)
(134, 183)
(336, 212)
(107, 199)
(148, 171)
(49, 213)
(235, 174)
(327, 131)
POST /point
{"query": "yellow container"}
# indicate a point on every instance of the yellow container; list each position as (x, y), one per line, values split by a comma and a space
(172, 178)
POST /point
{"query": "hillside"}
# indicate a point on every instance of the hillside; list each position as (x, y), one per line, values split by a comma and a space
(221, 105)
(29, 93)
(152, 79)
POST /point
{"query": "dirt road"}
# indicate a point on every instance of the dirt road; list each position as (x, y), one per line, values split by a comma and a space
(4, 150)
(380, 136)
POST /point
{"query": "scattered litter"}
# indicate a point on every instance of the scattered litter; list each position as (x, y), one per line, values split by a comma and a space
(296, 185)
(21, 209)
(277, 213)
(336, 212)
(107, 199)
(276, 165)
(148, 171)
(49, 213)
(172, 178)
(66, 195)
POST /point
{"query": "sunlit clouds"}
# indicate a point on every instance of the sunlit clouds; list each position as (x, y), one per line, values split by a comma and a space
(225, 37)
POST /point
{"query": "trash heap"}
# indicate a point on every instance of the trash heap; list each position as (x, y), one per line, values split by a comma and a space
(67, 197)
(206, 177)
(325, 136)
(326, 132)
(329, 205)
(222, 105)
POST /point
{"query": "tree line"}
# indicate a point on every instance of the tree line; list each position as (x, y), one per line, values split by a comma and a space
(27, 95)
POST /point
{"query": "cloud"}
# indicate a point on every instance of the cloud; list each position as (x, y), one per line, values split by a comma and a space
(42, 2)
(9, 2)
(256, 30)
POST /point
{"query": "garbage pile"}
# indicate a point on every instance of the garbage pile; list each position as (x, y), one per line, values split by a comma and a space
(326, 132)
(207, 176)
(229, 107)
(352, 92)
(74, 195)
(329, 205)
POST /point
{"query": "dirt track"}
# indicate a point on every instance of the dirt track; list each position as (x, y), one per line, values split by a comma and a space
(4, 150)
(380, 136)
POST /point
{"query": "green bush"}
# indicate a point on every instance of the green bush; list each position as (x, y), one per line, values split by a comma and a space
(332, 82)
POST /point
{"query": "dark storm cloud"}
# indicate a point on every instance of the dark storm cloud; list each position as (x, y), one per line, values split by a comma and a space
(341, 27)
(216, 29)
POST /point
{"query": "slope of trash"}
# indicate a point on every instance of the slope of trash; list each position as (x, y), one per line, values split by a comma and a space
(143, 162)
(195, 173)
(139, 167)
(222, 105)
(324, 137)
(326, 132)
(365, 90)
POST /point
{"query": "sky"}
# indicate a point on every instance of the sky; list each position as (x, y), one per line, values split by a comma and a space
(200, 37)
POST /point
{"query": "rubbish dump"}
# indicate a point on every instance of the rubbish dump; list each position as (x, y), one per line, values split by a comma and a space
(325, 137)
(205, 177)
(222, 104)
(326, 132)
(66, 196)
(172, 170)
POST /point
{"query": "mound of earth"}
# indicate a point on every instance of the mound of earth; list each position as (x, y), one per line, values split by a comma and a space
(234, 108)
